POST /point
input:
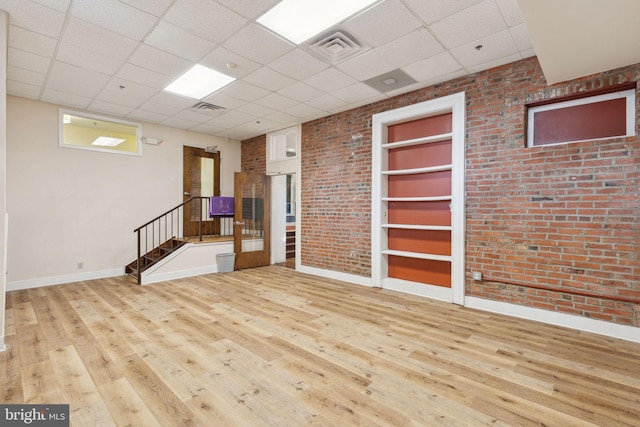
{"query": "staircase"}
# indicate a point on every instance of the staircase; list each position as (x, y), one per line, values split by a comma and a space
(165, 234)
(136, 267)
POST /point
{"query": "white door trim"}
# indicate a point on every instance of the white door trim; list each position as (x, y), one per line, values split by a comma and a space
(380, 122)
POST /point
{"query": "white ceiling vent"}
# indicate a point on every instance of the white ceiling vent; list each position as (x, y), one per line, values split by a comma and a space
(336, 46)
(206, 108)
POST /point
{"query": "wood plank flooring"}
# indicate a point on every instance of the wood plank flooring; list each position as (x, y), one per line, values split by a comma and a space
(271, 346)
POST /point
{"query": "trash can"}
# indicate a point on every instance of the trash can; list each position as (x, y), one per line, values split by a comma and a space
(225, 262)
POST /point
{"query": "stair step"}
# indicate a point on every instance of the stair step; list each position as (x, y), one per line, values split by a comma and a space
(153, 256)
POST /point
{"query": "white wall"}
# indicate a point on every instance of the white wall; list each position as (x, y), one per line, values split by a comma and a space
(4, 28)
(70, 206)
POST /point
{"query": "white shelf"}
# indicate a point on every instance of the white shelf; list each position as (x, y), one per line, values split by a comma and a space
(416, 199)
(429, 169)
(418, 141)
(418, 227)
(432, 257)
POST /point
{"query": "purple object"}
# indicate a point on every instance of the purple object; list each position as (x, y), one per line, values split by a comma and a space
(221, 206)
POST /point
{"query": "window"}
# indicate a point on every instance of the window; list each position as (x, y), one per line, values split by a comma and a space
(587, 117)
(282, 145)
(97, 133)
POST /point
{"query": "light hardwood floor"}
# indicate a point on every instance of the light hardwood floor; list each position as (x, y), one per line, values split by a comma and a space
(271, 346)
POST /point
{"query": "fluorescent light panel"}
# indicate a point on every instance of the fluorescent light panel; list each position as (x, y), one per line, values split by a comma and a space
(105, 141)
(298, 20)
(199, 82)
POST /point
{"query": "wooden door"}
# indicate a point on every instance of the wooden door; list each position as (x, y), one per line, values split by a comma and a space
(252, 221)
(201, 178)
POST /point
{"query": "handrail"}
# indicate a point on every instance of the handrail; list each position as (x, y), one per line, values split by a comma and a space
(166, 232)
(167, 212)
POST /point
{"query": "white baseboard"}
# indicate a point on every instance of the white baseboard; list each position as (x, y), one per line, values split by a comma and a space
(3, 347)
(173, 275)
(67, 278)
(624, 332)
(330, 274)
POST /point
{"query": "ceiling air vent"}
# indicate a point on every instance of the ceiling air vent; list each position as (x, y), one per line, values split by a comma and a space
(336, 46)
(205, 107)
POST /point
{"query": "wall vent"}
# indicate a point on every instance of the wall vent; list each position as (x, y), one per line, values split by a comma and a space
(336, 46)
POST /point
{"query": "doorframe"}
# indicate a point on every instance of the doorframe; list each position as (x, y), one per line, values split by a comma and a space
(454, 104)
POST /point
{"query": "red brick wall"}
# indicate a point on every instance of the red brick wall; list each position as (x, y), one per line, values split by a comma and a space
(254, 155)
(565, 217)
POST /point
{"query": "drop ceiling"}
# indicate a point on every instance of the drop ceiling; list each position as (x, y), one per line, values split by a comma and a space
(114, 57)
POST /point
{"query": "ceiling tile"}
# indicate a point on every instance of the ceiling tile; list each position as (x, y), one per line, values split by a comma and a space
(208, 128)
(432, 68)
(229, 63)
(76, 80)
(109, 108)
(300, 92)
(365, 66)
(28, 61)
(258, 44)
(154, 7)
(59, 5)
(34, 17)
(329, 80)
(25, 76)
(431, 11)
(96, 39)
(269, 79)
(115, 16)
(298, 64)
(75, 55)
(123, 92)
(494, 47)
(383, 23)
(413, 47)
(143, 76)
(169, 38)
(495, 63)
(29, 41)
(325, 102)
(469, 25)
(511, 12)
(22, 89)
(231, 119)
(146, 116)
(304, 110)
(65, 99)
(153, 59)
(254, 109)
(205, 18)
(195, 116)
(282, 118)
(244, 91)
(276, 102)
(249, 8)
(161, 108)
(520, 36)
(355, 93)
(225, 101)
(176, 122)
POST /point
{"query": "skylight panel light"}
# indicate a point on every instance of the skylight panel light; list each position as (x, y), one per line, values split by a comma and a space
(199, 82)
(106, 141)
(298, 20)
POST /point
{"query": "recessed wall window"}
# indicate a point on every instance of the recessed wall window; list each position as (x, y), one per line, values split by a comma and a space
(282, 145)
(600, 116)
(86, 131)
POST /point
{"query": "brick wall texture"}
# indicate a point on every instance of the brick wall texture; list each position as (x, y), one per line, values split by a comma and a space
(563, 217)
(254, 155)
